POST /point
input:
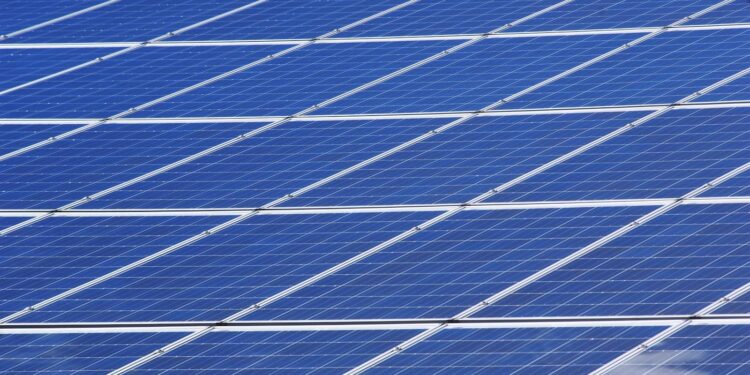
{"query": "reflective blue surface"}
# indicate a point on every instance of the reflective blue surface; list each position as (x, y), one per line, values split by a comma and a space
(737, 90)
(291, 352)
(20, 66)
(696, 349)
(269, 165)
(230, 270)
(449, 17)
(97, 159)
(289, 19)
(20, 14)
(661, 70)
(130, 21)
(107, 88)
(521, 351)
(14, 137)
(479, 75)
(451, 266)
(76, 353)
(606, 14)
(465, 161)
(734, 12)
(49, 257)
(678, 263)
(298, 80)
(668, 156)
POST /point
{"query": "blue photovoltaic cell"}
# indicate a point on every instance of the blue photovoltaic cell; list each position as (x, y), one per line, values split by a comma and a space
(9, 221)
(606, 14)
(678, 263)
(19, 66)
(76, 353)
(20, 14)
(465, 161)
(479, 75)
(449, 17)
(269, 165)
(280, 352)
(299, 80)
(734, 12)
(668, 156)
(129, 21)
(102, 157)
(232, 269)
(737, 186)
(49, 257)
(115, 85)
(661, 70)
(451, 266)
(289, 19)
(695, 350)
(517, 351)
(736, 90)
(14, 137)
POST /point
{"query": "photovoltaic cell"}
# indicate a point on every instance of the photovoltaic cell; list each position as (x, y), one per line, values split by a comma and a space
(24, 65)
(76, 353)
(451, 266)
(518, 351)
(99, 158)
(14, 137)
(668, 156)
(299, 80)
(449, 17)
(49, 257)
(661, 70)
(465, 161)
(696, 349)
(20, 14)
(606, 14)
(678, 263)
(231, 269)
(130, 21)
(738, 90)
(734, 12)
(289, 352)
(269, 165)
(115, 85)
(478, 75)
(9, 221)
(288, 19)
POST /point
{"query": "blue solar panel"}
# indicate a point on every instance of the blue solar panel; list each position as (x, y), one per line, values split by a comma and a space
(17, 136)
(24, 65)
(519, 351)
(9, 221)
(289, 19)
(301, 79)
(292, 352)
(449, 17)
(678, 263)
(75, 167)
(696, 349)
(665, 157)
(478, 75)
(20, 14)
(131, 20)
(265, 167)
(737, 90)
(450, 267)
(232, 269)
(605, 14)
(734, 12)
(662, 70)
(76, 353)
(49, 257)
(465, 161)
(115, 85)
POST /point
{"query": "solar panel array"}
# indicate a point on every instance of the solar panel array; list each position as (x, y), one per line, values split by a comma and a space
(396, 187)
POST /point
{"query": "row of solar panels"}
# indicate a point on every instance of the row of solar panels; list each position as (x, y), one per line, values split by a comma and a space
(699, 349)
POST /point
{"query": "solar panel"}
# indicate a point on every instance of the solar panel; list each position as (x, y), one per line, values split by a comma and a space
(403, 186)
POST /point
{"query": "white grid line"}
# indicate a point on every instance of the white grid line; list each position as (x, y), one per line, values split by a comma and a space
(53, 21)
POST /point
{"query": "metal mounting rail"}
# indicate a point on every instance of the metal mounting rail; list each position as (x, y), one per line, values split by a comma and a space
(403, 38)
(383, 116)
(53, 21)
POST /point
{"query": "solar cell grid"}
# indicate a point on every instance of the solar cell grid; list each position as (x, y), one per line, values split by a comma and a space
(736, 91)
(734, 12)
(15, 137)
(20, 14)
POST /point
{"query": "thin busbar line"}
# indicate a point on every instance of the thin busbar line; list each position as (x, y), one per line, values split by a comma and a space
(53, 21)
(380, 39)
